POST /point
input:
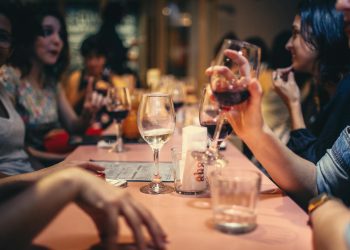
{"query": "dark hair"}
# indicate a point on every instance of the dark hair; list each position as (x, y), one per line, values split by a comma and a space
(258, 41)
(30, 28)
(228, 35)
(322, 27)
(92, 45)
(9, 11)
(280, 56)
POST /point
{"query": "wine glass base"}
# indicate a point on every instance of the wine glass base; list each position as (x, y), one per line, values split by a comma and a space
(156, 188)
(116, 149)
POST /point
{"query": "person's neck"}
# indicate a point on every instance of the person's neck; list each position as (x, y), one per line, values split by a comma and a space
(36, 75)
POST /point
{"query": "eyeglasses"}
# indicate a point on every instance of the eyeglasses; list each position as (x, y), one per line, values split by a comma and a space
(5, 39)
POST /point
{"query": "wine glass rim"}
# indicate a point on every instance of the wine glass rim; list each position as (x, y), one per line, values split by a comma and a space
(244, 43)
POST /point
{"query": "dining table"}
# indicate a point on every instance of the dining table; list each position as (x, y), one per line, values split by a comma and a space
(186, 219)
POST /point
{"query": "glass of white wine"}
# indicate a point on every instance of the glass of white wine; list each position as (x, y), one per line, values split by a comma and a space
(156, 123)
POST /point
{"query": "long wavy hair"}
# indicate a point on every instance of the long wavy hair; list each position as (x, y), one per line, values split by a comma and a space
(322, 27)
(30, 29)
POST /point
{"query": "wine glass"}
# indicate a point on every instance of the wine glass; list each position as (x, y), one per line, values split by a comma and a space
(229, 77)
(209, 115)
(118, 105)
(156, 123)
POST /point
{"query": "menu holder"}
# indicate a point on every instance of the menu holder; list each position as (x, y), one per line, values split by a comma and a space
(138, 171)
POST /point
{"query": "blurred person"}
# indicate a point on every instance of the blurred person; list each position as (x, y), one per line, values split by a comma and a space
(318, 47)
(39, 60)
(117, 58)
(31, 193)
(94, 61)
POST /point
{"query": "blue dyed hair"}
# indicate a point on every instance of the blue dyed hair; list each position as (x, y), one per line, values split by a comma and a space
(322, 26)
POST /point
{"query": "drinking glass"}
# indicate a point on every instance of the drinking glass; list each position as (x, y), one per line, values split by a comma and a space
(229, 77)
(156, 123)
(118, 105)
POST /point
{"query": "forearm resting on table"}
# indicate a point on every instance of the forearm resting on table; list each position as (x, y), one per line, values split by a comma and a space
(292, 173)
(329, 223)
(35, 207)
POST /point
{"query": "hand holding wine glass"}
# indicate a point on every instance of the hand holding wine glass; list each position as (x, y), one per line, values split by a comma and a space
(156, 123)
(118, 106)
(234, 66)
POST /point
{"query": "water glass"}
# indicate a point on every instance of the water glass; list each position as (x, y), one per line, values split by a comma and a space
(234, 195)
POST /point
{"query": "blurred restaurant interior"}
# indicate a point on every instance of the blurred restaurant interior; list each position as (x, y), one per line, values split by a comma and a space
(177, 36)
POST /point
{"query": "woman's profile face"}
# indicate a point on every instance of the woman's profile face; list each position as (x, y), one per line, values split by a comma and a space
(5, 38)
(303, 54)
(49, 44)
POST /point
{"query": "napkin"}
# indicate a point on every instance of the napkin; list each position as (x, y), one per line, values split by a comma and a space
(194, 138)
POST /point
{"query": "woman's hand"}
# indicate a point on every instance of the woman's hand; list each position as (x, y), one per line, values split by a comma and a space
(246, 118)
(105, 203)
(285, 86)
(93, 100)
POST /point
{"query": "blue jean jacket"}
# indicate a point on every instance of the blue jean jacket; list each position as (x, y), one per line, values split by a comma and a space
(333, 169)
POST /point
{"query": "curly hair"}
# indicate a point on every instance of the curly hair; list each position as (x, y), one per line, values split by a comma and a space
(322, 27)
(29, 30)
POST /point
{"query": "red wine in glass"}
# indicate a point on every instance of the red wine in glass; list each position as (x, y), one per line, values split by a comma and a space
(228, 98)
(211, 126)
(119, 115)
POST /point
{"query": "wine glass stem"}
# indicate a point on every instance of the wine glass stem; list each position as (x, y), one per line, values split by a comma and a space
(156, 176)
(215, 143)
(119, 139)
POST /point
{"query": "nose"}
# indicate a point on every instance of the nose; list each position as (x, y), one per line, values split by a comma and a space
(289, 44)
(56, 38)
(343, 5)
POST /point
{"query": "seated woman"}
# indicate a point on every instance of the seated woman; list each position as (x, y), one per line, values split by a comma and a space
(40, 58)
(319, 47)
(94, 59)
(31, 193)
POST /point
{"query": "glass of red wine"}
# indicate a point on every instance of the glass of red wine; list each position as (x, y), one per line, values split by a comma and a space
(118, 104)
(178, 94)
(235, 64)
(209, 115)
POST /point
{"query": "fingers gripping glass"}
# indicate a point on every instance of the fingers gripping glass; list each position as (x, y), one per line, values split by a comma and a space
(236, 63)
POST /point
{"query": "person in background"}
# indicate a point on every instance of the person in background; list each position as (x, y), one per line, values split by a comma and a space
(318, 47)
(31, 193)
(94, 60)
(40, 58)
(298, 177)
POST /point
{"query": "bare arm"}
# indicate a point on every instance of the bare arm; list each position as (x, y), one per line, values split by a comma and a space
(11, 185)
(329, 224)
(291, 172)
(92, 103)
(36, 207)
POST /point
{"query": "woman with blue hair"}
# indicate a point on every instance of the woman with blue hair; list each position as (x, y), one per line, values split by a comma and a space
(318, 47)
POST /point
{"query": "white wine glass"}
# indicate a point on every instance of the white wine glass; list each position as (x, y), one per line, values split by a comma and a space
(118, 104)
(229, 77)
(156, 123)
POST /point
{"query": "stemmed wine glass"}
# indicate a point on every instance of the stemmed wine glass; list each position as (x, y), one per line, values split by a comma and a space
(118, 105)
(229, 77)
(209, 115)
(156, 123)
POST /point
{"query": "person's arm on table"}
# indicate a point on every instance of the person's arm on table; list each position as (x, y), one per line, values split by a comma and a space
(331, 226)
(37, 206)
(292, 173)
(12, 185)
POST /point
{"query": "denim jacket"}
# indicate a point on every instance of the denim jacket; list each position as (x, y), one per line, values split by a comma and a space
(333, 169)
